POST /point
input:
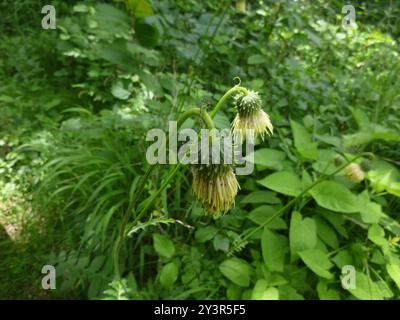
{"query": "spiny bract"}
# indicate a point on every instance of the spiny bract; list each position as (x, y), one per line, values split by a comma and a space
(251, 116)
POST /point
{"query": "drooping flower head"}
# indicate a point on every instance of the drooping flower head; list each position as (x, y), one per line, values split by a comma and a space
(215, 187)
(355, 173)
(251, 116)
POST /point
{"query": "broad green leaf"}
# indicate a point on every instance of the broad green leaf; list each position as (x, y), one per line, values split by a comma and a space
(287, 292)
(163, 246)
(233, 292)
(371, 212)
(366, 289)
(394, 272)
(82, 8)
(303, 142)
(110, 19)
(384, 176)
(168, 275)
(343, 258)
(324, 293)
(267, 158)
(356, 139)
(283, 182)
(204, 234)
(377, 235)
(118, 91)
(327, 234)
(221, 243)
(302, 234)
(318, 262)
(261, 197)
(147, 32)
(237, 271)
(263, 213)
(140, 8)
(325, 161)
(257, 59)
(334, 196)
(274, 247)
(361, 118)
(262, 292)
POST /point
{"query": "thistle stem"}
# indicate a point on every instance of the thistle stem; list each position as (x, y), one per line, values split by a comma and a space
(199, 112)
(235, 89)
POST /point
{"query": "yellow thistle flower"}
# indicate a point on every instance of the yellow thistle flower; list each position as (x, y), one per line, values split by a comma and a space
(354, 173)
(215, 187)
(251, 116)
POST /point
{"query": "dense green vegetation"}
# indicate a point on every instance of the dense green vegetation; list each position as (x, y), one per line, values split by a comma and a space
(76, 191)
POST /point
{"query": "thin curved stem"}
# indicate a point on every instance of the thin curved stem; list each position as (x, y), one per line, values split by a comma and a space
(235, 89)
(199, 112)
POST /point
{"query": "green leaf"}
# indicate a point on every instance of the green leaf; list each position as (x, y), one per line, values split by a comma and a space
(327, 234)
(302, 234)
(394, 272)
(343, 258)
(204, 234)
(318, 262)
(263, 213)
(118, 91)
(221, 243)
(377, 235)
(261, 197)
(303, 142)
(96, 264)
(140, 8)
(82, 8)
(257, 59)
(262, 292)
(168, 275)
(371, 212)
(147, 32)
(274, 247)
(237, 271)
(384, 176)
(366, 289)
(268, 158)
(324, 293)
(283, 182)
(361, 118)
(163, 246)
(334, 196)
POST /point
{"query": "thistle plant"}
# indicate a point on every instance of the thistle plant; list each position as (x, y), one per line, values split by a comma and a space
(215, 185)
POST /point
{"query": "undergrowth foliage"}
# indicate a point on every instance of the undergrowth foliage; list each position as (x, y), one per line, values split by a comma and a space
(77, 192)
